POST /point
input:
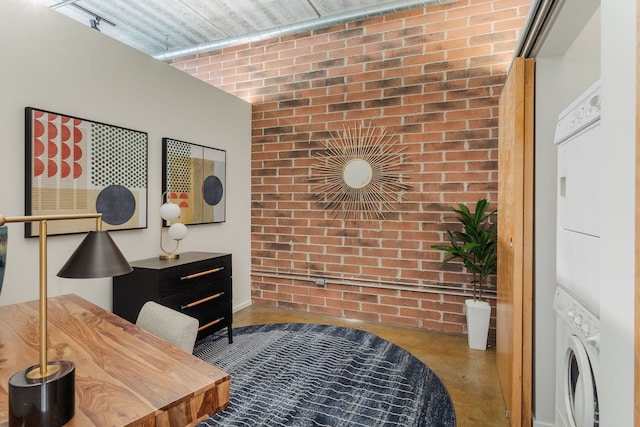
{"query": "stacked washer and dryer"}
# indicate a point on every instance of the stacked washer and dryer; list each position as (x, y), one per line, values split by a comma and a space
(577, 297)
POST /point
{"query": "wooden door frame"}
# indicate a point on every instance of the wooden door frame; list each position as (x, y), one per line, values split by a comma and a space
(528, 246)
(515, 352)
(636, 405)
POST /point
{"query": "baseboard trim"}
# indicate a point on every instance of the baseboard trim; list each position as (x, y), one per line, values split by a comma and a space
(241, 306)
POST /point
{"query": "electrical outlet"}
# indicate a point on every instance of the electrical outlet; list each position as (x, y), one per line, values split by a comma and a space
(320, 282)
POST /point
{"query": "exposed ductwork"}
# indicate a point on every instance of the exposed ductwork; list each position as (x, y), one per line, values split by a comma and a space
(309, 25)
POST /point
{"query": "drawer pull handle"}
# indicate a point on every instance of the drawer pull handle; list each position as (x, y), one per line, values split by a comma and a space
(202, 273)
(203, 327)
(200, 301)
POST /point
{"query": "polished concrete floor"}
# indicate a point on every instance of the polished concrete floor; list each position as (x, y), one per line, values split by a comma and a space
(469, 375)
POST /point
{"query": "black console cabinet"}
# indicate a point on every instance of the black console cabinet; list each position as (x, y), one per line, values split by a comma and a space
(197, 284)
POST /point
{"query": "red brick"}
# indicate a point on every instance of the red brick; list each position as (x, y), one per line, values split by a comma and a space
(433, 77)
(388, 310)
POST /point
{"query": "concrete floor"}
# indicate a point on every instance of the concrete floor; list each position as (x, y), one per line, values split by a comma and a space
(469, 375)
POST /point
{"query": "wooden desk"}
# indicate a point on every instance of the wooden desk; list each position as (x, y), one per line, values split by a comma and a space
(124, 375)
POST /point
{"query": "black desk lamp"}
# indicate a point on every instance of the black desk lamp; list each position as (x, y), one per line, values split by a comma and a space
(44, 394)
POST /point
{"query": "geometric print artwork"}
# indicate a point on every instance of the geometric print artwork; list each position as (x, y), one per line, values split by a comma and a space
(80, 166)
(194, 177)
(119, 156)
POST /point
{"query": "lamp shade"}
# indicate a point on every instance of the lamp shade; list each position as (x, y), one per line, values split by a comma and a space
(97, 256)
(178, 231)
(169, 211)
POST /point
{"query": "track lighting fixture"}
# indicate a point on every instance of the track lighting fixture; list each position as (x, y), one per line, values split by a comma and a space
(95, 22)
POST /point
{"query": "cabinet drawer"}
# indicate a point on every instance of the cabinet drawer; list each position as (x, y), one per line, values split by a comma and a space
(185, 277)
(211, 306)
(196, 297)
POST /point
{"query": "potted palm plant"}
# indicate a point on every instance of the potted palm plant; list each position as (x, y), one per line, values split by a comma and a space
(475, 246)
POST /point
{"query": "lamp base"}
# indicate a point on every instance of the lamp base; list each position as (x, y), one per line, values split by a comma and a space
(47, 401)
(169, 256)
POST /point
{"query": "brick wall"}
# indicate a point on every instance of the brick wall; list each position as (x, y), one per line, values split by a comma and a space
(432, 78)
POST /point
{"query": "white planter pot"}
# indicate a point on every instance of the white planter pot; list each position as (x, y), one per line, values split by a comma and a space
(478, 316)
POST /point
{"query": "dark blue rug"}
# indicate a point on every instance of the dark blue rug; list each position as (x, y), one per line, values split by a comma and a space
(317, 375)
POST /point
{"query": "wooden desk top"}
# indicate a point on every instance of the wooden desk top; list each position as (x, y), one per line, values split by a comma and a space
(124, 375)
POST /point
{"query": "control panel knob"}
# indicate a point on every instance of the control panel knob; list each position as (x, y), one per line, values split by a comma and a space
(577, 319)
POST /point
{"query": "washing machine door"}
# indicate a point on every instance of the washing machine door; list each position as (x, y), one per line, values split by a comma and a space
(580, 396)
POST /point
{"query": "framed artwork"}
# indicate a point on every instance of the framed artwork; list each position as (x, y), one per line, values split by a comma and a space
(194, 177)
(75, 165)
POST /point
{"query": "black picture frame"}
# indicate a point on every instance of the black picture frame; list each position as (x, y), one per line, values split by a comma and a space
(77, 165)
(194, 177)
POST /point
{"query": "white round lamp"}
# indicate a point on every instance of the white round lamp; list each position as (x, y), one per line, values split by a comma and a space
(178, 231)
(170, 211)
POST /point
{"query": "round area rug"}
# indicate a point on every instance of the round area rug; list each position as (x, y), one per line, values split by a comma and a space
(296, 374)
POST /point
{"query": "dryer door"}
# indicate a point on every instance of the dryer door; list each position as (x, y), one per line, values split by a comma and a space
(580, 396)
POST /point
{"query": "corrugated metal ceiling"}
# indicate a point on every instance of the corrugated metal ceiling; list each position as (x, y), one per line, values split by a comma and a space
(164, 28)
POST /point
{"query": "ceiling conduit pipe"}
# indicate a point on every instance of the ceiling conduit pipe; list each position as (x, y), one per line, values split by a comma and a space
(309, 25)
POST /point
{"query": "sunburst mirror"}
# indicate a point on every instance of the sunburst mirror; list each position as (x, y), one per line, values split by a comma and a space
(359, 173)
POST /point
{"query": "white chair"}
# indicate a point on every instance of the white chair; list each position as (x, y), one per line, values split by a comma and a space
(170, 325)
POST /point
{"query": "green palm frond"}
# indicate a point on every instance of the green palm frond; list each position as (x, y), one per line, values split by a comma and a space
(475, 244)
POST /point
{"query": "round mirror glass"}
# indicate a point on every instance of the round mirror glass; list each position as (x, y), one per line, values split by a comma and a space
(357, 173)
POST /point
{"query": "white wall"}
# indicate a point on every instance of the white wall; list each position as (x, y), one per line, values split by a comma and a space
(567, 63)
(54, 63)
(618, 201)
(562, 77)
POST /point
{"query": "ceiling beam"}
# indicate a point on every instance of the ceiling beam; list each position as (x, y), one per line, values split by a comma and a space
(298, 27)
(63, 3)
(315, 9)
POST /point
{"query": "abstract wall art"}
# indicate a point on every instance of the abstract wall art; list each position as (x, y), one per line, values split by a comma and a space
(75, 165)
(194, 177)
(359, 173)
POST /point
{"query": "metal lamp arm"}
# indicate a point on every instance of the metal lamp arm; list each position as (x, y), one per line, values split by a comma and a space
(162, 243)
(42, 372)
